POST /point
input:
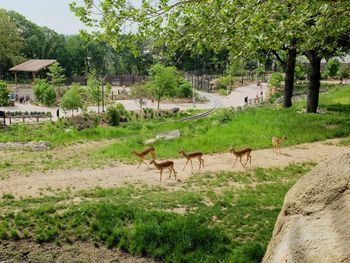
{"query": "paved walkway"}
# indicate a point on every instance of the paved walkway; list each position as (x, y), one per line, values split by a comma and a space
(236, 98)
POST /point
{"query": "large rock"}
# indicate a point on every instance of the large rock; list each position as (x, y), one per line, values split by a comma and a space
(165, 136)
(314, 224)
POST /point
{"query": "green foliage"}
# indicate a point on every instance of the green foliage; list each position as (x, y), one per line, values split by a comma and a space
(93, 89)
(163, 82)
(225, 81)
(56, 75)
(4, 94)
(114, 114)
(344, 71)
(72, 99)
(44, 92)
(185, 90)
(10, 42)
(332, 67)
(275, 80)
(235, 227)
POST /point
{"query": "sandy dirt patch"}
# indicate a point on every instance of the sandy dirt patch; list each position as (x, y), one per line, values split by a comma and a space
(25, 251)
(46, 183)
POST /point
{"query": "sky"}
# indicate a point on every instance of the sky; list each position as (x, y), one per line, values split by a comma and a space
(54, 14)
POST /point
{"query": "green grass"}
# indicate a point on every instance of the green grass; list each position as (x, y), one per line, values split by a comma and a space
(219, 223)
(249, 128)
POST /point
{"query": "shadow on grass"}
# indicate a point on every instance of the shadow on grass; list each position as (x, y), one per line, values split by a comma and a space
(338, 107)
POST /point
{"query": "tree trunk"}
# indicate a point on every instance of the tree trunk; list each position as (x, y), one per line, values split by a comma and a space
(158, 103)
(314, 81)
(289, 78)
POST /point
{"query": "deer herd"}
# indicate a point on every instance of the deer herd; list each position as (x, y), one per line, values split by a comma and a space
(169, 165)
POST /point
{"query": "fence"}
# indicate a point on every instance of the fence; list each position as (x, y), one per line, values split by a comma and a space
(127, 80)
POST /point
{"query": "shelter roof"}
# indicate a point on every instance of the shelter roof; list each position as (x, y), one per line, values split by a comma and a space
(34, 65)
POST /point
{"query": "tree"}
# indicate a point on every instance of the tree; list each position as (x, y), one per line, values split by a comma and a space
(163, 82)
(72, 99)
(275, 80)
(140, 92)
(93, 90)
(10, 42)
(56, 75)
(4, 94)
(44, 92)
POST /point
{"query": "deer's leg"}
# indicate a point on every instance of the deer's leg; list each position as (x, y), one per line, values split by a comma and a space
(235, 162)
(248, 156)
(160, 175)
(169, 172)
(174, 172)
(191, 166)
(140, 163)
(202, 162)
(240, 160)
(185, 164)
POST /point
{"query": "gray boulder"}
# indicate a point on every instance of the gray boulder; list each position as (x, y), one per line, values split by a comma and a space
(314, 224)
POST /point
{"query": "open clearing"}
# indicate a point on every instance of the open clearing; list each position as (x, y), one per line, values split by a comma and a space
(119, 174)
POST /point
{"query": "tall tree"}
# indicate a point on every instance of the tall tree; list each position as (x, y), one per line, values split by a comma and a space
(10, 42)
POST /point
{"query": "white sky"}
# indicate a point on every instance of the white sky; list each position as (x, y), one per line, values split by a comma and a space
(54, 14)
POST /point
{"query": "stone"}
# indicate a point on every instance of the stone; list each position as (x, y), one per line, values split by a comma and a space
(314, 223)
(165, 136)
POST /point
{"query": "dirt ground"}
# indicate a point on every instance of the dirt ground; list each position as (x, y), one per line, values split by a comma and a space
(47, 183)
(25, 251)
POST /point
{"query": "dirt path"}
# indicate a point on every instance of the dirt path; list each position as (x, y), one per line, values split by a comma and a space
(47, 183)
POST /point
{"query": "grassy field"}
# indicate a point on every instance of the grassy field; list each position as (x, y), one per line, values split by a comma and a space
(224, 217)
(249, 128)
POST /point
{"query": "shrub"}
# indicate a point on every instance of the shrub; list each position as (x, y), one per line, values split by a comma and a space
(115, 114)
(185, 90)
(4, 94)
(275, 80)
(82, 122)
(72, 99)
(44, 92)
(332, 67)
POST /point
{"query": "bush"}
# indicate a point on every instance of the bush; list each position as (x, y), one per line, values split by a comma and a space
(275, 80)
(44, 92)
(332, 67)
(185, 90)
(4, 94)
(115, 114)
(82, 122)
(72, 99)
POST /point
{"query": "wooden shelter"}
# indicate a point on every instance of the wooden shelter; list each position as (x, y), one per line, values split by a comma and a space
(33, 66)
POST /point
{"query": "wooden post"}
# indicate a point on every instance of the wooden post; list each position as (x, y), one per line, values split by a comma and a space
(16, 78)
(34, 76)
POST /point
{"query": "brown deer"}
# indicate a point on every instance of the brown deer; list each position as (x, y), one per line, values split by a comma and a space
(240, 154)
(276, 143)
(143, 154)
(162, 166)
(190, 156)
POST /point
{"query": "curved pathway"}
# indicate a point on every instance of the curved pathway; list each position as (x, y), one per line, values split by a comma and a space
(118, 174)
(236, 98)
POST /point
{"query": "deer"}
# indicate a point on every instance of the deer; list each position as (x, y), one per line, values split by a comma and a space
(143, 154)
(240, 154)
(190, 156)
(162, 166)
(276, 143)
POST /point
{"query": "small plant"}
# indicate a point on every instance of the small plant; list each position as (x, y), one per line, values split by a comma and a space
(4, 94)
(8, 196)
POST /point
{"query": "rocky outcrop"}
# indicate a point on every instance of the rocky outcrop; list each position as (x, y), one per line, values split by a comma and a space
(166, 136)
(35, 146)
(314, 224)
